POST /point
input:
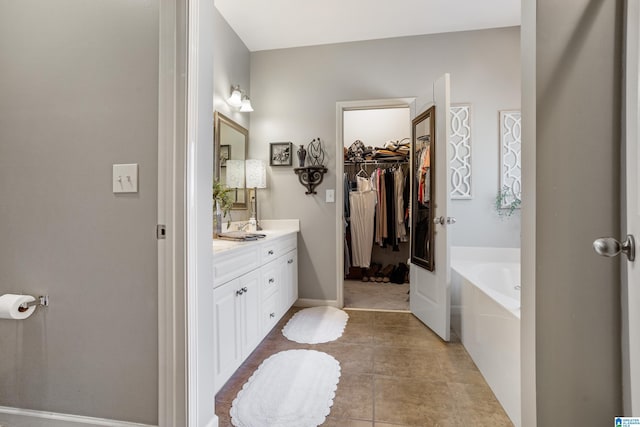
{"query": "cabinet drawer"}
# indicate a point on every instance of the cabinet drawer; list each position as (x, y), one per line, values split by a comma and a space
(270, 278)
(269, 252)
(273, 249)
(233, 264)
(270, 313)
(288, 243)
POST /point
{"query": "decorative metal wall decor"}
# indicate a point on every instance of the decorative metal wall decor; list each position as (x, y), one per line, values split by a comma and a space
(510, 149)
(316, 153)
(460, 143)
(311, 176)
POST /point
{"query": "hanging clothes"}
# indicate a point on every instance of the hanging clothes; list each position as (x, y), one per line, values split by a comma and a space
(362, 204)
(375, 179)
(424, 176)
(390, 211)
(401, 230)
(388, 183)
(382, 202)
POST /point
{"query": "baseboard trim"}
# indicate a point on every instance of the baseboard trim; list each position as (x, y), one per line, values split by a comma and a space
(307, 302)
(69, 418)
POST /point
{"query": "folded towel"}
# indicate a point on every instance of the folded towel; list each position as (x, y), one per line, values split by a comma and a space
(240, 236)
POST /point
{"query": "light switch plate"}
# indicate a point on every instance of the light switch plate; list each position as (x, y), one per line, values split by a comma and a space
(125, 178)
(330, 196)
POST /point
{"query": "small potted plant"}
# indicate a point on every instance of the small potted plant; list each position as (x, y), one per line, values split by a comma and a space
(506, 202)
(222, 204)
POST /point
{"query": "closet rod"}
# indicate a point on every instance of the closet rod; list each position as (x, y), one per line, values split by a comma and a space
(376, 162)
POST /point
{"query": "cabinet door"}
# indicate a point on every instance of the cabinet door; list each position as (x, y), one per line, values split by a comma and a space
(290, 282)
(250, 311)
(227, 331)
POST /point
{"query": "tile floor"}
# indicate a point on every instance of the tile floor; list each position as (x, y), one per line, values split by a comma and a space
(376, 295)
(395, 372)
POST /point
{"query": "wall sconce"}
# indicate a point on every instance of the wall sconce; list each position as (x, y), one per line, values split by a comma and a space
(246, 105)
(256, 171)
(239, 100)
(235, 100)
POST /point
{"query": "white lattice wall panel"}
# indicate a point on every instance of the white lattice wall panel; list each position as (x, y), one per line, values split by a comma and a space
(460, 142)
(510, 150)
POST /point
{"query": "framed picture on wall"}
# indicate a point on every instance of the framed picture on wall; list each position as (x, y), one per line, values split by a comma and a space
(280, 154)
(225, 154)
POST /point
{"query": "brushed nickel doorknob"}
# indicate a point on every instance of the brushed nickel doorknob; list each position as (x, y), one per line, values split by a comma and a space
(610, 247)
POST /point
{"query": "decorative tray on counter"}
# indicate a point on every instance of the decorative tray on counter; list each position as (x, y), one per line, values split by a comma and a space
(240, 236)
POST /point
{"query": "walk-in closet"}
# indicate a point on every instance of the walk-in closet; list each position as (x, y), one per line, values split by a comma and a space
(376, 208)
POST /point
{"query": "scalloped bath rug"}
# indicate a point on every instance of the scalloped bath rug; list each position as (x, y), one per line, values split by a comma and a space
(316, 325)
(293, 388)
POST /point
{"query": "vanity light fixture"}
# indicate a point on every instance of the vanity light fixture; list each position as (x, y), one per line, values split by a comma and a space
(239, 100)
(235, 100)
(246, 105)
(256, 171)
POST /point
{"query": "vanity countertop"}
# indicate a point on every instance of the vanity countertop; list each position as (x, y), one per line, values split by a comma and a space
(273, 229)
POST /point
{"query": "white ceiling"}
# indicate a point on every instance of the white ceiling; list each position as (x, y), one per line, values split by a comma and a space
(275, 24)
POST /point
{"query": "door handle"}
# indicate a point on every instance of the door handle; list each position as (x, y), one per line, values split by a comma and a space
(442, 220)
(610, 247)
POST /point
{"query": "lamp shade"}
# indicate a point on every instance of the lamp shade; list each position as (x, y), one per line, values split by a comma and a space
(246, 105)
(235, 173)
(235, 100)
(256, 173)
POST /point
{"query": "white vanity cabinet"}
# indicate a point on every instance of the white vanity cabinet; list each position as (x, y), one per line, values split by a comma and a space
(237, 325)
(291, 278)
(255, 283)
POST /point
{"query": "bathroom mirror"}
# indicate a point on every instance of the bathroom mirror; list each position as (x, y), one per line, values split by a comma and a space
(422, 191)
(230, 141)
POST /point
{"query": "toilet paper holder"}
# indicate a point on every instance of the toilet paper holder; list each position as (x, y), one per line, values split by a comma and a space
(42, 300)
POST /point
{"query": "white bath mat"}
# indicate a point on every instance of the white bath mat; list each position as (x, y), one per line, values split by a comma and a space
(293, 388)
(316, 325)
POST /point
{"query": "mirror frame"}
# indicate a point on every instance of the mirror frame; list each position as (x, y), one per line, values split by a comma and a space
(220, 119)
(426, 262)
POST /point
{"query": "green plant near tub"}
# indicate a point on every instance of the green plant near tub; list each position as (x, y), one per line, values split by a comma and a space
(222, 204)
(506, 202)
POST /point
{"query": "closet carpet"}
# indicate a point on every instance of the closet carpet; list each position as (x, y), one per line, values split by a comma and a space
(395, 372)
(376, 295)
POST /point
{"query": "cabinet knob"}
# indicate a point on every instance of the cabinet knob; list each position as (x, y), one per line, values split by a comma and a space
(272, 315)
(239, 292)
(271, 252)
(290, 261)
(245, 290)
(271, 280)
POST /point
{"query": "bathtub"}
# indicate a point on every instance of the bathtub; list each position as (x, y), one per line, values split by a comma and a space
(485, 307)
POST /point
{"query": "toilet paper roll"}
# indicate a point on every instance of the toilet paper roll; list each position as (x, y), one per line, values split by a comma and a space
(10, 305)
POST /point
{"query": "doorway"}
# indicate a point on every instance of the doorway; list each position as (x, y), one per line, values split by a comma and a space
(373, 140)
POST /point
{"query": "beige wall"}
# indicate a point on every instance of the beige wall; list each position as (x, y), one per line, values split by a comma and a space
(578, 102)
(231, 66)
(79, 93)
(294, 93)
